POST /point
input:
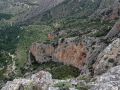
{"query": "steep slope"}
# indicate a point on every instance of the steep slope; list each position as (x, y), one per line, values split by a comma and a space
(108, 10)
(64, 37)
(36, 11)
(12, 7)
(60, 9)
(95, 9)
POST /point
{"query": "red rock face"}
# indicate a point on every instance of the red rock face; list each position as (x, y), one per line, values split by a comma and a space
(70, 53)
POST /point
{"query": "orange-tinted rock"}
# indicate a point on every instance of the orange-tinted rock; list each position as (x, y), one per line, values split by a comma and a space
(41, 52)
(69, 53)
(56, 34)
(51, 37)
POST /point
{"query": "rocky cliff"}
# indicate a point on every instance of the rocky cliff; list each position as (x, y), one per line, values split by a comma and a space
(84, 34)
(67, 51)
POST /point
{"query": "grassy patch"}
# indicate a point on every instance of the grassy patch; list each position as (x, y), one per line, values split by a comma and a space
(32, 33)
(85, 25)
(58, 70)
(64, 72)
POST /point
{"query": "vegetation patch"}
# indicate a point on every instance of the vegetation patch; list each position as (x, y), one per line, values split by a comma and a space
(63, 85)
(58, 70)
(30, 34)
(5, 16)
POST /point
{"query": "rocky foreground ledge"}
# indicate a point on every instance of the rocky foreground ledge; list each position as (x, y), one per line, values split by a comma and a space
(43, 81)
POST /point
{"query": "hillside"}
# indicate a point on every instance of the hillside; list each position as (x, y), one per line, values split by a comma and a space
(67, 8)
(66, 44)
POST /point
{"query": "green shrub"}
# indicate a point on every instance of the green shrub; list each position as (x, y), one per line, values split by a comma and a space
(30, 34)
(64, 71)
(5, 16)
(63, 85)
(82, 86)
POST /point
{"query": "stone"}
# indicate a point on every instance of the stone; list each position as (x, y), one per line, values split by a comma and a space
(69, 51)
(108, 10)
(108, 58)
(38, 81)
(108, 81)
(41, 52)
(71, 54)
(114, 32)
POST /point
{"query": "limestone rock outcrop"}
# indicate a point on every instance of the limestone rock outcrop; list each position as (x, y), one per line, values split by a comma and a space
(108, 58)
(67, 52)
(114, 32)
(43, 81)
(41, 52)
(96, 61)
(38, 81)
(108, 81)
(71, 54)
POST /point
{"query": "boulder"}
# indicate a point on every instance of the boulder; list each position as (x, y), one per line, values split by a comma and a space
(38, 81)
(43, 81)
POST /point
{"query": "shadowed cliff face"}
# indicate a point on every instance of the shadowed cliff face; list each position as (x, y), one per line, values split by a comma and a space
(69, 53)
